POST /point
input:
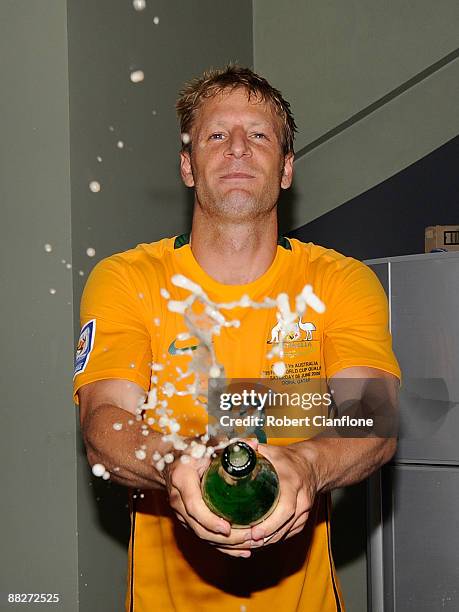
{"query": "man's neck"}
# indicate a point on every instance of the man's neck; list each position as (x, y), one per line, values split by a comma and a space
(234, 253)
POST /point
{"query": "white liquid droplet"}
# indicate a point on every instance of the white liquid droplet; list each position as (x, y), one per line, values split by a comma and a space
(175, 306)
(48, 248)
(68, 266)
(90, 252)
(140, 454)
(117, 426)
(137, 76)
(168, 457)
(162, 422)
(186, 138)
(98, 470)
(214, 371)
(185, 459)
(139, 5)
(316, 303)
(198, 451)
(279, 368)
(156, 20)
(106, 475)
(52, 291)
(99, 158)
(94, 186)
(120, 144)
(80, 272)
(185, 283)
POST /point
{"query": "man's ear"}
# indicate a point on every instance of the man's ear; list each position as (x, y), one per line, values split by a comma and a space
(186, 170)
(287, 172)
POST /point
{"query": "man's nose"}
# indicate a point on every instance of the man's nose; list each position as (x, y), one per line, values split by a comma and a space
(238, 144)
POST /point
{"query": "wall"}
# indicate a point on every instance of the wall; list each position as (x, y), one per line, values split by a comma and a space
(141, 197)
(390, 218)
(37, 450)
(374, 89)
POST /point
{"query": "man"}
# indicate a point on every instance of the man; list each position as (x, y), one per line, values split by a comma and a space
(237, 155)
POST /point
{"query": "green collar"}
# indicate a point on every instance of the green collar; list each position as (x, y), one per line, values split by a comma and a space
(184, 239)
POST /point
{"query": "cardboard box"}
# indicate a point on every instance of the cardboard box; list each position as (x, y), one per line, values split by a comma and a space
(444, 237)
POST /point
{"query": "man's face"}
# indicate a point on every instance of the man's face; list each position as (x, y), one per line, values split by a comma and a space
(236, 165)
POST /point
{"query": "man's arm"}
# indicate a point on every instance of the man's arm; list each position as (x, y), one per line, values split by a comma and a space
(339, 462)
(106, 402)
(324, 463)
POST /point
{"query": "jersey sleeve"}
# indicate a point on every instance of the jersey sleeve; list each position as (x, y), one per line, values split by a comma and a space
(356, 329)
(114, 341)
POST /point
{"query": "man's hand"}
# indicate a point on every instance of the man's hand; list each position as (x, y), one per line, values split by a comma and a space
(183, 482)
(297, 493)
(298, 488)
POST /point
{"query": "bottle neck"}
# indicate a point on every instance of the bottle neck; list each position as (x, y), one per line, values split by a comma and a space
(238, 459)
(237, 480)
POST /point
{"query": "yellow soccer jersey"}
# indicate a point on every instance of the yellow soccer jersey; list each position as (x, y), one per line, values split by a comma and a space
(126, 327)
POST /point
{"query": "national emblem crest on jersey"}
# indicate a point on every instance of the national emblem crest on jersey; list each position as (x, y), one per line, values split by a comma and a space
(293, 332)
(84, 346)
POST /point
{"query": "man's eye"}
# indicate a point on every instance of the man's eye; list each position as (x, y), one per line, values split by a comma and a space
(216, 136)
(259, 135)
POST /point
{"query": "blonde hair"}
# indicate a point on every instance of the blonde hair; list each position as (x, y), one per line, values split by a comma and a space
(215, 81)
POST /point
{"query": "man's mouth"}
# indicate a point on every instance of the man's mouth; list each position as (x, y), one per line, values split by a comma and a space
(237, 175)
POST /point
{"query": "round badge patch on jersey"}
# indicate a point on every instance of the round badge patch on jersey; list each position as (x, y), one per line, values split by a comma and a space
(84, 346)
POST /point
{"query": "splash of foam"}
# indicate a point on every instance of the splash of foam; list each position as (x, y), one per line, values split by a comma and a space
(203, 324)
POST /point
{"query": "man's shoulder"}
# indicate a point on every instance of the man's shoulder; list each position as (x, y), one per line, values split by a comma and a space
(323, 258)
(144, 254)
(143, 266)
(145, 251)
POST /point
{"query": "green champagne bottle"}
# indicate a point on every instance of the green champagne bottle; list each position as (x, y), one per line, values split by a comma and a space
(241, 485)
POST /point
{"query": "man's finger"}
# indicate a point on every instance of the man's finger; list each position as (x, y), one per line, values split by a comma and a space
(237, 537)
(253, 442)
(185, 480)
(274, 537)
(234, 540)
(245, 554)
(301, 519)
(293, 532)
(291, 528)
